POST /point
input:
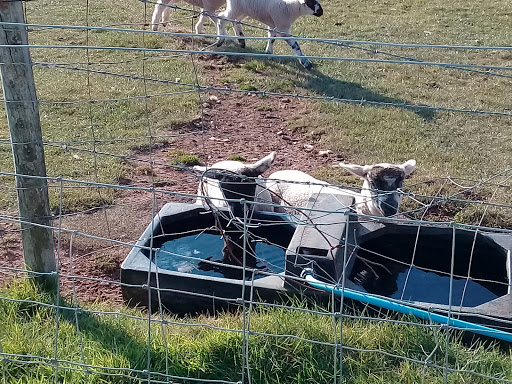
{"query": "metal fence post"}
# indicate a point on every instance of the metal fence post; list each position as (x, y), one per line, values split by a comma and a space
(26, 139)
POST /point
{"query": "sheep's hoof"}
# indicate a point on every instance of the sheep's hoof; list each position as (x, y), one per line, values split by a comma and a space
(308, 65)
(241, 43)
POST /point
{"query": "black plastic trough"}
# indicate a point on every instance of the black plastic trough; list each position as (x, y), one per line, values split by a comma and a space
(329, 242)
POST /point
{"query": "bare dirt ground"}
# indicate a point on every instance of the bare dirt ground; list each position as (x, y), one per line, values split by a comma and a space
(247, 125)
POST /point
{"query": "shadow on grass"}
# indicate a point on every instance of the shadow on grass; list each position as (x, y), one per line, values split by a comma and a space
(323, 84)
(115, 337)
(115, 346)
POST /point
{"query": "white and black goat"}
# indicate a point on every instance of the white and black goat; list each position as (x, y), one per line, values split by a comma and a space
(379, 196)
(278, 15)
(231, 179)
(208, 8)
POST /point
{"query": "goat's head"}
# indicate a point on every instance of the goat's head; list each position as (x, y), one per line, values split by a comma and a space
(236, 179)
(381, 185)
(314, 6)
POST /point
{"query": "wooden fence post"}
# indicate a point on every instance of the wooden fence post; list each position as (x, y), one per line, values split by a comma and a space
(27, 143)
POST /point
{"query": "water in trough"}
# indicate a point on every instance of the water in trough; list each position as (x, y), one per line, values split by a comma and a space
(433, 288)
(190, 254)
(386, 261)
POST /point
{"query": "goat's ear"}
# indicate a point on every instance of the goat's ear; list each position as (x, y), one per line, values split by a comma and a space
(358, 170)
(260, 166)
(409, 166)
(199, 168)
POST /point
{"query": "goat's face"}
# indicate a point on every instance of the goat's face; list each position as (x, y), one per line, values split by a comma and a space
(382, 184)
(314, 6)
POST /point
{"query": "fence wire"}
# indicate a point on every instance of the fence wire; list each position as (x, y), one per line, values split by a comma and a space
(237, 282)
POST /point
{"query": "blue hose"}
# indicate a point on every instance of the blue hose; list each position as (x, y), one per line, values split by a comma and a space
(405, 309)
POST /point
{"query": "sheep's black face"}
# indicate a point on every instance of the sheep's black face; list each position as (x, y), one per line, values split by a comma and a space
(385, 182)
(234, 187)
(315, 6)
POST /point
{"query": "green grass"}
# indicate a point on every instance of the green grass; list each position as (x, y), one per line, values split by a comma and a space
(237, 157)
(200, 351)
(460, 145)
(452, 144)
(464, 145)
(131, 120)
(443, 143)
(188, 160)
(183, 158)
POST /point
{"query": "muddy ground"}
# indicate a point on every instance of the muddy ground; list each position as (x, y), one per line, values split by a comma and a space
(246, 125)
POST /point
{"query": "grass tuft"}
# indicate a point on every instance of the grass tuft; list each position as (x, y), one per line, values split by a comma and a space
(237, 157)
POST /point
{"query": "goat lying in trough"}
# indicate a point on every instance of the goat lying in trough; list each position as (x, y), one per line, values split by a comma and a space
(163, 9)
(379, 194)
(278, 15)
(231, 179)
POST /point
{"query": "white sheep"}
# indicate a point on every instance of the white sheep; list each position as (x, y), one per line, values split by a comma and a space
(379, 196)
(210, 186)
(278, 15)
(162, 10)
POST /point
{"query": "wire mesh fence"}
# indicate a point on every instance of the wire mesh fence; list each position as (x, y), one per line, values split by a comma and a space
(166, 273)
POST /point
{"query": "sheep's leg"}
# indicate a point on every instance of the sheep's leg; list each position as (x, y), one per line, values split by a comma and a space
(200, 22)
(166, 15)
(161, 14)
(158, 12)
(221, 28)
(296, 48)
(238, 31)
(224, 17)
(270, 44)
(212, 17)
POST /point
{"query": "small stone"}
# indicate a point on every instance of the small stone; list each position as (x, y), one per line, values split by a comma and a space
(308, 147)
(324, 153)
(214, 99)
(178, 80)
(206, 105)
(224, 140)
(279, 133)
